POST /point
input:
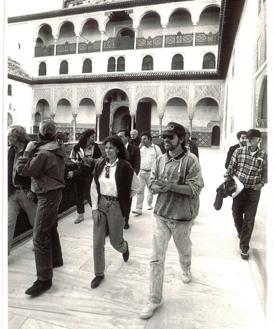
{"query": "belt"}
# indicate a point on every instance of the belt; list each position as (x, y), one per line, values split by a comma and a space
(109, 197)
(146, 170)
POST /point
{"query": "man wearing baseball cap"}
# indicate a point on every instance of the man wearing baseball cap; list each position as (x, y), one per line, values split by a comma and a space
(177, 180)
(44, 162)
(249, 165)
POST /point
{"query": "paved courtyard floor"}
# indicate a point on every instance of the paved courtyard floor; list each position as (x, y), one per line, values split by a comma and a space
(226, 291)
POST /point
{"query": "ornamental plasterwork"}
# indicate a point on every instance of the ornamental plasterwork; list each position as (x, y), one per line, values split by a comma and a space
(176, 91)
(203, 91)
(86, 93)
(63, 93)
(40, 94)
(147, 91)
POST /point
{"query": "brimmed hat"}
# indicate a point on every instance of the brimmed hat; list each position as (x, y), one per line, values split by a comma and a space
(174, 128)
(253, 133)
(48, 128)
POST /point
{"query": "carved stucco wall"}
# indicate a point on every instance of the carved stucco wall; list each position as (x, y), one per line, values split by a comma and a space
(209, 90)
(40, 94)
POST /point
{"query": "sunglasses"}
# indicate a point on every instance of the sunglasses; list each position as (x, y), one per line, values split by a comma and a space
(168, 136)
(107, 171)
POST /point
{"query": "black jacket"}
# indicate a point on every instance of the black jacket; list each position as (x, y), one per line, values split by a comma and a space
(223, 191)
(133, 156)
(229, 154)
(23, 182)
(123, 176)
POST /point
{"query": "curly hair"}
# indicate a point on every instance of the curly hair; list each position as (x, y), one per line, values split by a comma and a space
(83, 138)
(116, 141)
(20, 133)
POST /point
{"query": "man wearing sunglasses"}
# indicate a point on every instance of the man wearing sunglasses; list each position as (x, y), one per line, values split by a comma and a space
(177, 180)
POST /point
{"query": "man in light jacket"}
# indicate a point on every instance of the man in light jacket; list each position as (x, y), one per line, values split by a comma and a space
(178, 181)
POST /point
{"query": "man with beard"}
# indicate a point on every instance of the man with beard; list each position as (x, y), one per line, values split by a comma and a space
(178, 181)
(241, 135)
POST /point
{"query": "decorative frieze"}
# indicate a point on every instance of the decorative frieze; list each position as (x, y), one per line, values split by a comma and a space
(203, 91)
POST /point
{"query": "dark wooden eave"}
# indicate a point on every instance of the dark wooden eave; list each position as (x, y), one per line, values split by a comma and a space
(88, 9)
(143, 76)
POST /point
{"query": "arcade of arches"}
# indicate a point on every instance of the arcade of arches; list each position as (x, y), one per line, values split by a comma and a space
(202, 119)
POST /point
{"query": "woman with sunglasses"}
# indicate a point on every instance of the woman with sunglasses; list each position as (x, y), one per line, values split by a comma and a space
(113, 185)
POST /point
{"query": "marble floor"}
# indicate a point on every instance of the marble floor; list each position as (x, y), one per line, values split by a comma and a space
(222, 294)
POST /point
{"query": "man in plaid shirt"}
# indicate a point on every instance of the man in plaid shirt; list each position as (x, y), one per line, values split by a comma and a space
(249, 165)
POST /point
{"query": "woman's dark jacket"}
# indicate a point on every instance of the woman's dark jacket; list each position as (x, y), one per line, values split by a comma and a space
(123, 176)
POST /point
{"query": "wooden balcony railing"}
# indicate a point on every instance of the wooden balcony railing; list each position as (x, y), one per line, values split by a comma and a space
(66, 48)
(203, 39)
(89, 47)
(118, 44)
(44, 51)
(150, 42)
(179, 40)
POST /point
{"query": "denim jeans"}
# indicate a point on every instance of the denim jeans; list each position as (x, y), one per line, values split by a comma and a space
(110, 214)
(19, 200)
(47, 248)
(244, 209)
(83, 182)
(143, 181)
(163, 230)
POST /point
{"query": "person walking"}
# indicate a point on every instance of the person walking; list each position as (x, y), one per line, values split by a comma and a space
(113, 185)
(149, 153)
(83, 155)
(177, 180)
(190, 144)
(249, 165)
(133, 156)
(44, 162)
(20, 195)
(134, 138)
(241, 136)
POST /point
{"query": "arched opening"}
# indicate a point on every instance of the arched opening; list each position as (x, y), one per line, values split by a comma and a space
(9, 90)
(209, 61)
(215, 136)
(146, 118)
(121, 119)
(111, 64)
(10, 119)
(42, 69)
(121, 64)
(87, 66)
(37, 120)
(63, 115)
(177, 62)
(64, 68)
(125, 39)
(44, 45)
(176, 110)
(147, 63)
(262, 107)
(86, 116)
(110, 119)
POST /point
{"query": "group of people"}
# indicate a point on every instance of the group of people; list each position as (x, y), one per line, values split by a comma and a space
(109, 182)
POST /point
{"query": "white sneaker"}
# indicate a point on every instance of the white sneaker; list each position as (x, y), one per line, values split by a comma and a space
(137, 212)
(148, 310)
(150, 207)
(186, 277)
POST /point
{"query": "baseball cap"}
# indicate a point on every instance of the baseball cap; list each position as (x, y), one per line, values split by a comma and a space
(48, 128)
(253, 133)
(174, 128)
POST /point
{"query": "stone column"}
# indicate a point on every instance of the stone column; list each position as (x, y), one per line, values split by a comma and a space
(194, 33)
(55, 41)
(74, 125)
(190, 126)
(135, 41)
(77, 42)
(102, 37)
(160, 124)
(163, 35)
(132, 121)
(97, 125)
